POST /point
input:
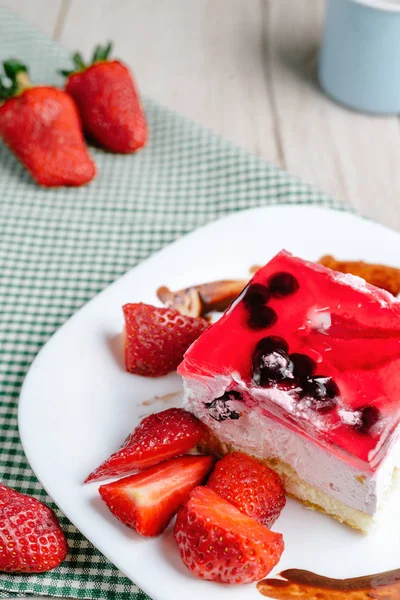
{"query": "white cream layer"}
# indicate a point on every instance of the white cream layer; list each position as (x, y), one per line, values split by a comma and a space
(263, 437)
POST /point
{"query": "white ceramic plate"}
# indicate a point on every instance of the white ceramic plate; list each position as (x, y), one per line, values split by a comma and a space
(78, 404)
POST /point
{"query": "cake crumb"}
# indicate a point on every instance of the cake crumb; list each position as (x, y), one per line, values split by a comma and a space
(171, 397)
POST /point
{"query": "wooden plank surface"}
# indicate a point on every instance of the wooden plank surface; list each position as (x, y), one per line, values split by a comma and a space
(247, 70)
(353, 157)
(45, 14)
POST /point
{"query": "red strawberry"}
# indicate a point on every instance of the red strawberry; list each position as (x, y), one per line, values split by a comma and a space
(108, 102)
(147, 501)
(250, 485)
(31, 540)
(157, 338)
(158, 437)
(41, 126)
(218, 542)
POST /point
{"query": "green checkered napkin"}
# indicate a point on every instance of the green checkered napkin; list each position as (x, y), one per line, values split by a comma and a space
(58, 248)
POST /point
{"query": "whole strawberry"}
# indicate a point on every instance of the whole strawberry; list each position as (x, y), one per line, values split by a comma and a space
(158, 437)
(41, 126)
(108, 102)
(157, 338)
(250, 485)
(218, 542)
(31, 539)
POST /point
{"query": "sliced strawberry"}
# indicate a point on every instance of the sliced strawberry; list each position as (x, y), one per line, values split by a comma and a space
(31, 540)
(158, 437)
(250, 485)
(157, 338)
(147, 501)
(218, 542)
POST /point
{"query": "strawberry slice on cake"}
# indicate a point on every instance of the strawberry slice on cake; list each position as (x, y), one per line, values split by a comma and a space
(302, 372)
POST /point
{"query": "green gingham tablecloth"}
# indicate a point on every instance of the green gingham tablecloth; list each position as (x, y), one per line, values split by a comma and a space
(58, 248)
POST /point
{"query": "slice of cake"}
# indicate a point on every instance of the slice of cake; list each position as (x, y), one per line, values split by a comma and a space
(303, 371)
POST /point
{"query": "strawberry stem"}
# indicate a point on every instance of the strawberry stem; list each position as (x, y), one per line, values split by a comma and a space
(23, 81)
(100, 54)
(16, 79)
(97, 54)
(78, 61)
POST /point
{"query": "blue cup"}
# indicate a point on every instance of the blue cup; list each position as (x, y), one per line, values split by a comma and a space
(359, 62)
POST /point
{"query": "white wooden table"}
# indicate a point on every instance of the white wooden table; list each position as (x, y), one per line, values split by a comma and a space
(246, 69)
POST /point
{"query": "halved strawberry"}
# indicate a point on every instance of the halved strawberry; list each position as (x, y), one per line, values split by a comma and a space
(158, 437)
(218, 542)
(250, 485)
(147, 501)
(157, 338)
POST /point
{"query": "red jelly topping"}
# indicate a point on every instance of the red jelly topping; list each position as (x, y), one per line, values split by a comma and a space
(330, 341)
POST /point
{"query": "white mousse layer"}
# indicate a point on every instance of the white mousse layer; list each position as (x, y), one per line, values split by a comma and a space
(264, 437)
